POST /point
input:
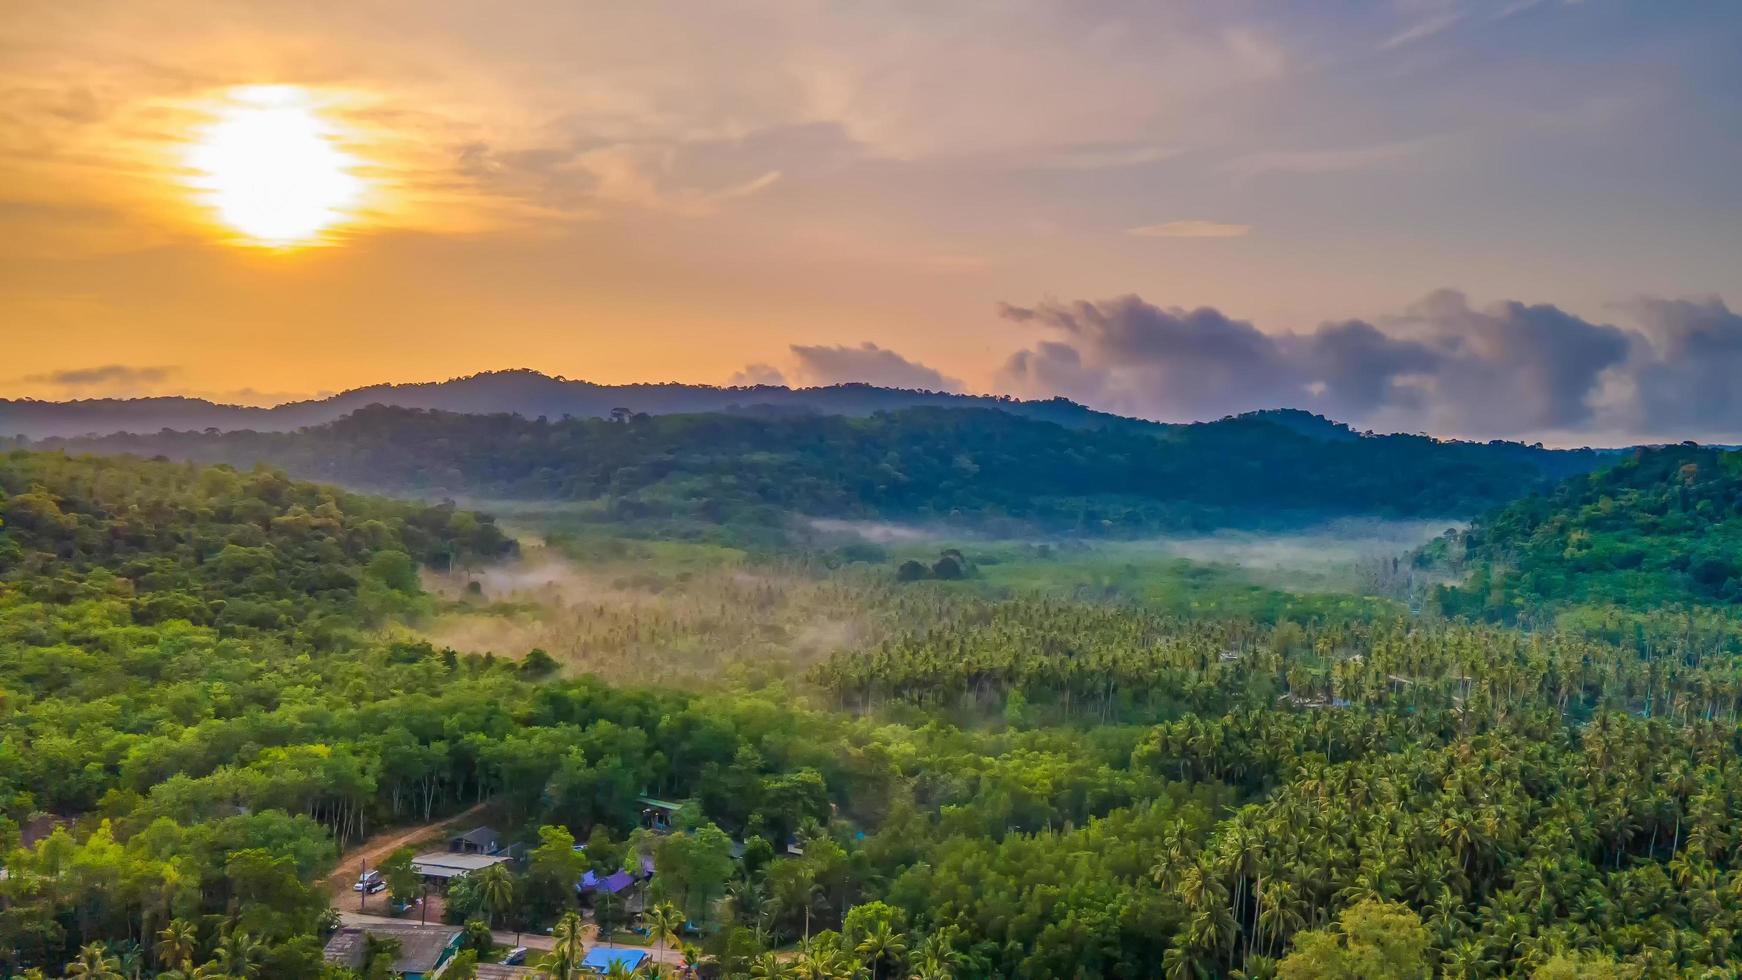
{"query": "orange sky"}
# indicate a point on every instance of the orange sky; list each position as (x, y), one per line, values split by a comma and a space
(658, 191)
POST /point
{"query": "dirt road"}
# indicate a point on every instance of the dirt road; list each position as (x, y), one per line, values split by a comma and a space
(376, 849)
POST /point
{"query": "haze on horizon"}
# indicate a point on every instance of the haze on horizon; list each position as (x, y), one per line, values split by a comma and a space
(1480, 218)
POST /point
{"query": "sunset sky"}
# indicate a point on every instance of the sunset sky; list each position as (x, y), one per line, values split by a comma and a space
(1169, 209)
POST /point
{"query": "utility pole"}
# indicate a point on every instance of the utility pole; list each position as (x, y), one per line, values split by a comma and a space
(362, 884)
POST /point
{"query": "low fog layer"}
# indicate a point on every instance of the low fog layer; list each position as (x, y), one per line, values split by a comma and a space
(882, 532)
(641, 620)
(1318, 550)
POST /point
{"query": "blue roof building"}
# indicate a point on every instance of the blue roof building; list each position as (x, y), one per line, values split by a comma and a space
(599, 959)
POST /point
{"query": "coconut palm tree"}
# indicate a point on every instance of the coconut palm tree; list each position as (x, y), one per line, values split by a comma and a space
(692, 956)
(95, 963)
(746, 901)
(568, 945)
(936, 959)
(176, 945)
(238, 955)
(769, 966)
(817, 961)
(664, 924)
(495, 891)
(881, 944)
(129, 959)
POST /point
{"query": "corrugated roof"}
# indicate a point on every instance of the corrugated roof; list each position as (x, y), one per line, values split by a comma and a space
(479, 836)
(421, 947)
(451, 864)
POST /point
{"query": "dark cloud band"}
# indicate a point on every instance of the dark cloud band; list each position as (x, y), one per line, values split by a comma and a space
(1509, 369)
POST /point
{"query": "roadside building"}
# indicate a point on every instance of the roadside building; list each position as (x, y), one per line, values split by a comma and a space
(438, 869)
(600, 959)
(615, 883)
(478, 840)
(657, 814)
(423, 949)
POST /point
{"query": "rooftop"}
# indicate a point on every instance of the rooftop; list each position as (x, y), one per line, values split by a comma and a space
(613, 883)
(421, 947)
(449, 864)
(479, 837)
(599, 959)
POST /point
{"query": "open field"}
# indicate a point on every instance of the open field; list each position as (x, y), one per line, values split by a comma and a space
(684, 612)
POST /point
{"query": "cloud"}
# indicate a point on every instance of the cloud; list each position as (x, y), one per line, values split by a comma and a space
(826, 365)
(1440, 365)
(1683, 385)
(1422, 30)
(1515, 8)
(105, 375)
(1190, 229)
(1141, 358)
(1109, 156)
(1325, 161)
(575, 180)
(757, 374)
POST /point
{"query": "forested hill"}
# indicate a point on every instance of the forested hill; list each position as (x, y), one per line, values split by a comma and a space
(526, 393)
(211, 546)
(970, 466)
(1661, 530)
(1041, 788)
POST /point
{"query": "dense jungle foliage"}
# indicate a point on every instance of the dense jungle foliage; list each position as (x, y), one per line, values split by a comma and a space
(1014, 787)
(977, 467)
(1649, 546)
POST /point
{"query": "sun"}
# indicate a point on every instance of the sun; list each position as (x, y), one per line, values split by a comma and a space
(271, 168)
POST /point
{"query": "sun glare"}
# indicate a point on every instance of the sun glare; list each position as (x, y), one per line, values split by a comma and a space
(271, 168)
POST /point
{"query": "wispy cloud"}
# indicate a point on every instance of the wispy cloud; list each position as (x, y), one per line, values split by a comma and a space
(1190, 229)
(104, 375)
(1515, 8)
(1104, 157)
(1422, 30)
(1325, 161)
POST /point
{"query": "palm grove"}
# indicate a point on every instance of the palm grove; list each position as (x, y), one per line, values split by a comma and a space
(193, 667)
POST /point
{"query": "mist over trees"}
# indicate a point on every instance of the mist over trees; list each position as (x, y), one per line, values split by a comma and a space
(212, 684)
(976, 467)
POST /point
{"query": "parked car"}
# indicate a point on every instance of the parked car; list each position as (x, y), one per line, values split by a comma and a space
(379, 886)
(367, 882)
(515, 957)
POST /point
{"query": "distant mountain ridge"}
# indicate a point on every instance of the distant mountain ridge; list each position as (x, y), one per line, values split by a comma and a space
(980, 467)
(526, 393)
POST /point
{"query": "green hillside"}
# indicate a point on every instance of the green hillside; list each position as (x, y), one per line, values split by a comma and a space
(215, 546)
(973, 467)
(1661, 531)
(1032, 786)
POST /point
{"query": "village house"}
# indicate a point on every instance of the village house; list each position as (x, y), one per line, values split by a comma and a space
(423, 949)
